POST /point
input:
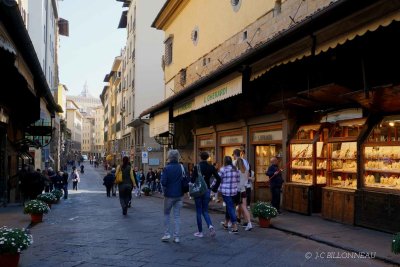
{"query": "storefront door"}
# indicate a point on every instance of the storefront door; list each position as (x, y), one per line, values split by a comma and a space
(267, 143)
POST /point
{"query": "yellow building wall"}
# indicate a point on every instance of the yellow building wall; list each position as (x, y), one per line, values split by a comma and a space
(217, 22)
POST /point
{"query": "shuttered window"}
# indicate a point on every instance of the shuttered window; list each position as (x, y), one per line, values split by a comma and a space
(168, 51)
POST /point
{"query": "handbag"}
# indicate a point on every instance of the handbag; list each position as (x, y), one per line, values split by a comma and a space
(184, 181)
(118, 176)
(199, 187)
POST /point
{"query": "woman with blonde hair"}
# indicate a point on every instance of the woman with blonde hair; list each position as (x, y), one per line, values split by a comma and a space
(244, 177)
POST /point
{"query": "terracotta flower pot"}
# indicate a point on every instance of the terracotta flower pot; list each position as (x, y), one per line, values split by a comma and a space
(147, 193)
(9, 260)
(264, 223)
(37, 218)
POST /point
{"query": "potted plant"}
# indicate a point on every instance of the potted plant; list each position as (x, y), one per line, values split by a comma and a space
(57, 193)
(12, 242)
(396, 244)
(48, 198)
(265, 212)
(36, 208)
(146, 190)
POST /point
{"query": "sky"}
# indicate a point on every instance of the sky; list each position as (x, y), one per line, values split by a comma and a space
(93, 43)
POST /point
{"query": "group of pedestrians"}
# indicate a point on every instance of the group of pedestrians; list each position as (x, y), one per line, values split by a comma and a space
(233, 181)
(33, 183)
(230, 181)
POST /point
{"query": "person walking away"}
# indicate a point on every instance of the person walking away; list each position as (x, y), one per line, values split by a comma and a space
(51, 174)
(108, 182)
(171, 180)
(150, 178)
(230, 179)
(82, 169)
(126, 185)
(75, 178)
(114, 186)
(206, 170)
(65, 179)
(275, 183)
(249, 186)
(158, 180)
(242, 197)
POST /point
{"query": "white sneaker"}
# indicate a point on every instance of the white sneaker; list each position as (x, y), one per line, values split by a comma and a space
(198, 234)
(176, 240)
(165, 238)
(212, 231)
(223, 204)
(248, 227)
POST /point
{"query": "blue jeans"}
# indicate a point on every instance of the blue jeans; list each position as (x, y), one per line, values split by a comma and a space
(169, 203)
(202, 208)
(230, 213)
(65, 188)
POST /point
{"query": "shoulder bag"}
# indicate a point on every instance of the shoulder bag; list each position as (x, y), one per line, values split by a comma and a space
(199, 187)
(118, 175)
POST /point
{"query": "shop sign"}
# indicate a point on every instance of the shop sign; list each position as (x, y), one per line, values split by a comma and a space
(234, 139)
(154, 162)
(224, 91)
(206, 143)
(267, 136)
(145, 157)
(4, 118)
(184, 108)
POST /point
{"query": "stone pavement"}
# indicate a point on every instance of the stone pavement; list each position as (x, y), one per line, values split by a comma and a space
(89, 229)
(347, 237)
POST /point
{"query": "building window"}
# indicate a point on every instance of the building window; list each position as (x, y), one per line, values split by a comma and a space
(195, 35)
(168, 51)
(236, 4)
(277, 7)
(182, 77)
(244, 36)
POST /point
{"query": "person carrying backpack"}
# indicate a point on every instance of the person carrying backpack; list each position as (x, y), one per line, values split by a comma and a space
(207, 171)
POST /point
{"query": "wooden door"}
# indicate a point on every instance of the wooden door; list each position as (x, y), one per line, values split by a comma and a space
(348, 208)
(327, 199)
(338, 203)
(300, 199)
(288, 197)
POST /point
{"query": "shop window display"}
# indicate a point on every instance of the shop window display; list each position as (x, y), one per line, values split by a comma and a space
(306, 150)
(382, 155)
(263, 158)
(343, 153)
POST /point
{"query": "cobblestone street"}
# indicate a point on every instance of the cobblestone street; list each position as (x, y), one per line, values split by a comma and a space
(89, 229)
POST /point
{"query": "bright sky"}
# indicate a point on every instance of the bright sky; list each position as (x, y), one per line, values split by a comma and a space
(93, 43)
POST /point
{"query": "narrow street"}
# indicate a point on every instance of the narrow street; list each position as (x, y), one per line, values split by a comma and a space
(89, 229)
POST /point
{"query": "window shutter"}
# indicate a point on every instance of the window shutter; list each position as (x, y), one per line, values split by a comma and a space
(63, 27)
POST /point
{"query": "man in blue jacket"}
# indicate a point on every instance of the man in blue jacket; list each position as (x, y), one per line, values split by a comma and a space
(275, 183)
(171, 180)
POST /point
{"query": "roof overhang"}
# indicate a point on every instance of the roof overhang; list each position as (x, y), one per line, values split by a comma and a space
(166, 12)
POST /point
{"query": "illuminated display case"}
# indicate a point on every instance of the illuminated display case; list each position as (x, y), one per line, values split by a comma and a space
(381, 155)
(308, 169)
(308, 155)
(263, 158)
(343, 153)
